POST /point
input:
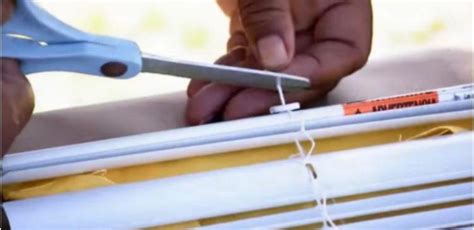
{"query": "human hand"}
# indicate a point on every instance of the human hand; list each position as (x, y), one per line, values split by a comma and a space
(17, 94)
(323, 40)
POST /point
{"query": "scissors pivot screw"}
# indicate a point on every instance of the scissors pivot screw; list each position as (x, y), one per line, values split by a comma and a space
(113, 69)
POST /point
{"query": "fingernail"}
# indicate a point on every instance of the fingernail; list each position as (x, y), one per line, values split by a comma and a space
(272, 52)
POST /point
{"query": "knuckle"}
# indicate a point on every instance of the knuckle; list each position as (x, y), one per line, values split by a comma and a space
(259, 13)
(238, 39)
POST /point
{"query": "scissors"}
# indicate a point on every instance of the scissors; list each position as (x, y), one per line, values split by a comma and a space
(43, 43)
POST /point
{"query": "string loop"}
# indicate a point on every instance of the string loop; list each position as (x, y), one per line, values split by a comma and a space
(320, 196)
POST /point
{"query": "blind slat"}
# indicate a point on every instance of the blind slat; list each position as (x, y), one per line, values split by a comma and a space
(355, 208)
(447, 216)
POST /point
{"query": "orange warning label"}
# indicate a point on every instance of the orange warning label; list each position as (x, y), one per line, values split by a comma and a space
(391, 103)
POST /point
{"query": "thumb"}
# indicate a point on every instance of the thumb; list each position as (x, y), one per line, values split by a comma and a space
(269, 28)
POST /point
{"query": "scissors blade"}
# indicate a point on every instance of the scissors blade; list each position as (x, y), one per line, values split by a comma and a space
(222, 74)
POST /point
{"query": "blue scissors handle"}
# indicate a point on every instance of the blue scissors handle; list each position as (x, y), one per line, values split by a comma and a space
(43, 43)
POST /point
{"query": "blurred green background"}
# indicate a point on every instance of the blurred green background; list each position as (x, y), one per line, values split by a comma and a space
(197, 30)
